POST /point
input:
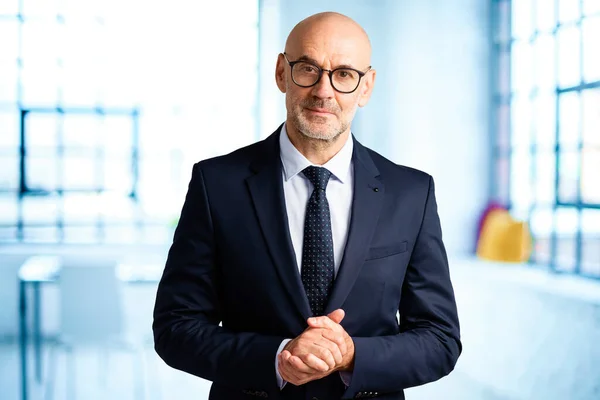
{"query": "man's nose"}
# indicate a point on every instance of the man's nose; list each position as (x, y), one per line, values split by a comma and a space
(323, 88)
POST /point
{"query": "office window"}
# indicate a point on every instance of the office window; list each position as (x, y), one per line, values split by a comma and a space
(547, 126)
(105, 106)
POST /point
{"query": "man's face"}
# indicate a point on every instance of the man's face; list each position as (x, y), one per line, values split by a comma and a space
(319, 111)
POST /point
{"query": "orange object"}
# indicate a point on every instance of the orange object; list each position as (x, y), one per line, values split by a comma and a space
(502, 238)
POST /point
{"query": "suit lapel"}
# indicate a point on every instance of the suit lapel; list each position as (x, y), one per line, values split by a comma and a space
(266, 190)
(368, 198)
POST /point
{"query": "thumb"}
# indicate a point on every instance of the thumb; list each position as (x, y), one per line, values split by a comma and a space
(337, 316)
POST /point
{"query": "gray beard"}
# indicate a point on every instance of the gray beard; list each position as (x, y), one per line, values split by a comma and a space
(304, 129)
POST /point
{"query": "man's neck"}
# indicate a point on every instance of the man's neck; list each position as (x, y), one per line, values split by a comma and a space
(316, 151)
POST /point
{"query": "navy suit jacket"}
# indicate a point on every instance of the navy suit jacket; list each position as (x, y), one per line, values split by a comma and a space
(232, 262)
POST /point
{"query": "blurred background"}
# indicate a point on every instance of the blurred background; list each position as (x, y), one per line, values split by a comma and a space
(106, 105)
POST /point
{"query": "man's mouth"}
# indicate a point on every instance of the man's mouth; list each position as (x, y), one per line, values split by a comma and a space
(321, 111)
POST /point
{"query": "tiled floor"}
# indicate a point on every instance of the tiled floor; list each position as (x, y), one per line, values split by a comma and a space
(130, 376)
(123, 376)
(520, 343)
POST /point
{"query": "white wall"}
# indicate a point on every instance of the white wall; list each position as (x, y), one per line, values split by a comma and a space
(441, 105)
(430, 107)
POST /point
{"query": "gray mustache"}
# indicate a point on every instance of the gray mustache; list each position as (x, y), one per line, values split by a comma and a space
(318, 104)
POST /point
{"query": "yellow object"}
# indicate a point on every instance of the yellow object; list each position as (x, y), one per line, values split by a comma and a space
(503, 238)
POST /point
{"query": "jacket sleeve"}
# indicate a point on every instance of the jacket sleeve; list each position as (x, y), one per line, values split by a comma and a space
(187, 312)
(428, 345)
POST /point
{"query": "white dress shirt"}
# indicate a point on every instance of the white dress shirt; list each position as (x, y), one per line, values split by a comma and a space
(298, 189)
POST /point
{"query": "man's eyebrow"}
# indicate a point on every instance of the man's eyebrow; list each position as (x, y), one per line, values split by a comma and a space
(304, 57)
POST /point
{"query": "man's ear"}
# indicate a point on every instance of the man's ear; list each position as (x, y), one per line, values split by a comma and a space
(367, 88)
(280, 73)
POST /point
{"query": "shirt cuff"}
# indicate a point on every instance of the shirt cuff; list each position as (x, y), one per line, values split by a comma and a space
(280, 382)
(346, 378)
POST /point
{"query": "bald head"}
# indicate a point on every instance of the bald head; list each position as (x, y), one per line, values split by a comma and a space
(321, 106)
(334, 33)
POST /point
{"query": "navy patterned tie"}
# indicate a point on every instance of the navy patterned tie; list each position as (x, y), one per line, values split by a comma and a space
(317, 250)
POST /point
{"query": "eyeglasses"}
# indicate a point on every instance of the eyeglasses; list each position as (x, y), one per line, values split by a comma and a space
(306, 74)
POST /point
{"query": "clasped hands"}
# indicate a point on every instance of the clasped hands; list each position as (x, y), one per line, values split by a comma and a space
(323, 348)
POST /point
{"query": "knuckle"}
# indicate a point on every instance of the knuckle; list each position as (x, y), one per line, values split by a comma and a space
(334, 347)
(323, 352)
(305, 358)
(333, 337)
(327, 356)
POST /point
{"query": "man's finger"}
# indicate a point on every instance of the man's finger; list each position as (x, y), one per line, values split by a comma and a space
(291, 362)
(337, 315)
(310, 364)
(324, 322)
(296, 372)
(294, 368)
(313, 364)
(284, 357)
(329, 352)
(285, 354)
(337, 339)
(289, 372)
(329, 344)
(282, 369)
(301, 377)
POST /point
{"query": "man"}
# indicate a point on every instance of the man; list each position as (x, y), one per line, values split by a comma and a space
(305, 246)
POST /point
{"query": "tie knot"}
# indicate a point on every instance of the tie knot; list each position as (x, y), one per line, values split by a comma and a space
(318, 176)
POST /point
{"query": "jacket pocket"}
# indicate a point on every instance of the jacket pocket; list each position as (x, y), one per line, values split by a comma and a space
(386, 251)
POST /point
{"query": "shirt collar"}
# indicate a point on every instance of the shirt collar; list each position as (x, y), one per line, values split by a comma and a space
(294, 162)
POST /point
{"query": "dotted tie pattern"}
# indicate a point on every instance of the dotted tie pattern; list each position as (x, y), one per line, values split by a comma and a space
(317, 251)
